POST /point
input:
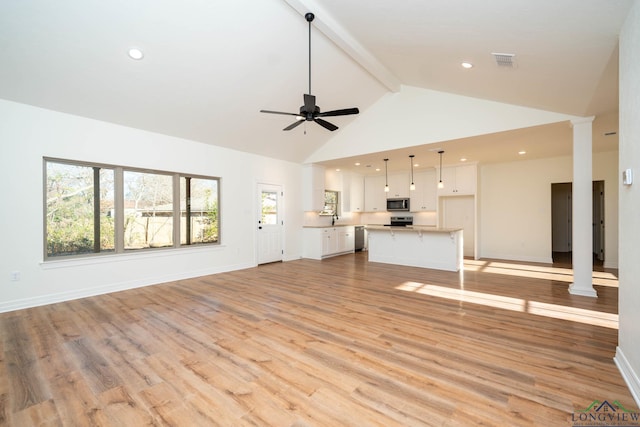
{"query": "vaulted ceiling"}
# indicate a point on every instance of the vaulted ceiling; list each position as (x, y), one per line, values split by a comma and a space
(209, 67)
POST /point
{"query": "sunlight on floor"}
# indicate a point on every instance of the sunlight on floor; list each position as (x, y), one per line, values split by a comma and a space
(573, 314)
(600, 278)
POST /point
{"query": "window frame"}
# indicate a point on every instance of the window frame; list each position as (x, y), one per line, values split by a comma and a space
(119, 216)
(336, 205)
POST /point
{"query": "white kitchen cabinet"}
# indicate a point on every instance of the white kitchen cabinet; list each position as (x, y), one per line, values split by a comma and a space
(345, 239)
(375, 198)
(356, 193)
(424, 197)
(459, 180)
(399, 185)
(313, 188)
(329, 241)
(333, 179)
(323, 242)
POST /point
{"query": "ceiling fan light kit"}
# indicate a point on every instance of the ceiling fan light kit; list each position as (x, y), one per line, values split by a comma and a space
(311, 112)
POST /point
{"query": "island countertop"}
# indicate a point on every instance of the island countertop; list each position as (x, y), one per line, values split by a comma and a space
(412, 228)
(331, 226)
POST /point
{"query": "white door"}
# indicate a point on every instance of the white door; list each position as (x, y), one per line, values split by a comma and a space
(270, 223)
(459, 212)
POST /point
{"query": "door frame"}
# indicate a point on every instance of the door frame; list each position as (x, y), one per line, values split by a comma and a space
(256, 218)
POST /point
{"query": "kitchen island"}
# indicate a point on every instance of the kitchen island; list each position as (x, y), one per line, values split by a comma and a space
(416, 246)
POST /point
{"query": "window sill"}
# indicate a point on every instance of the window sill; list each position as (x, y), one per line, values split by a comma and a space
(128, 256)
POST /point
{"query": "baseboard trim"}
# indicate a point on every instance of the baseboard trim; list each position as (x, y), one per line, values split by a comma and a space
(507, 257)
(114, 287)
(628, 374)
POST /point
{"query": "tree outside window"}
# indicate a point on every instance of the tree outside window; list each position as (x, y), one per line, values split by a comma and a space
(79, 209)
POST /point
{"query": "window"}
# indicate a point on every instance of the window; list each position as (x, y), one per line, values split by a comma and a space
(330, 203)
(79, 209)
(148, 210)
(269, 208)
(198, 210)
(86, 203)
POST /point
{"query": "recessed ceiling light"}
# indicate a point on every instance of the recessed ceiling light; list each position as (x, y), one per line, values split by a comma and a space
(357, 163)
(377, 169)
(416, 165)
(135, 53)
(338, 170)
(522, 152)
(463, 159)
(467, 65)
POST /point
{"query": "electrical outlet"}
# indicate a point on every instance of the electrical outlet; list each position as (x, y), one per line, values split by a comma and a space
(15, 276)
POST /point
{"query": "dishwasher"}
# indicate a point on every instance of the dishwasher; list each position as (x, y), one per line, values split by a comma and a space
(358, 236)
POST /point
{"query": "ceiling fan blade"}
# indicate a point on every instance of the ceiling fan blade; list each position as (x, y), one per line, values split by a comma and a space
(344, 112)
(279, 112)
(325, 124)
(293, 125)
(309, 103)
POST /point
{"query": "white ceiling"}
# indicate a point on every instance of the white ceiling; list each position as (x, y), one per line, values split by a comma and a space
(209, 67)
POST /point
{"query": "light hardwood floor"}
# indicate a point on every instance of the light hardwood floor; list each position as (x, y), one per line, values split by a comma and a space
(318, 343)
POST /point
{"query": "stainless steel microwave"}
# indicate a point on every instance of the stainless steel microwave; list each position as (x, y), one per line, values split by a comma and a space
(400, 204)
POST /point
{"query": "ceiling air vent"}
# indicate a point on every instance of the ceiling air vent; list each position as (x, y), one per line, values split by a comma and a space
(504, 59)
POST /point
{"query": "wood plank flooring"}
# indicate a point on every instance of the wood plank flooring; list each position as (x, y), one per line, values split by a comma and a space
(338, 342)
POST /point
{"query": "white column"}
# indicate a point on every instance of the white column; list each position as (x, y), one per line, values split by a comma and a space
(582, 217)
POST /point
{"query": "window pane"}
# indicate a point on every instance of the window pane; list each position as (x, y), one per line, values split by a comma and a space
(269, 208)
(148, 210)
(198, 211)
(107, 211)
(71, 208)
(330, 202)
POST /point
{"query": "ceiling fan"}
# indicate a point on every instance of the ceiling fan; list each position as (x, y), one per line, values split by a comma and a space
(310, 111)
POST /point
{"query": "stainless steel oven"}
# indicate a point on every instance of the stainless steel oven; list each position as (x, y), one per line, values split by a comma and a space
(400, 221)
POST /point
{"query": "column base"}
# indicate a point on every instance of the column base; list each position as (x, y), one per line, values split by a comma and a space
(574, 290)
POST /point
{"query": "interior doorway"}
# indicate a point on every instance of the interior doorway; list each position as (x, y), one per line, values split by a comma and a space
(561, 222)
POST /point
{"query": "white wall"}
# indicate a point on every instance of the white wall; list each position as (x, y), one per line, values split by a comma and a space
(416, 116)
(628, 354)
(27, 134)
(515, 207)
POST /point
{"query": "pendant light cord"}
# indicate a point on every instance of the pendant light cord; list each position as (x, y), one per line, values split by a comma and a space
(411, 157)
(386, 176)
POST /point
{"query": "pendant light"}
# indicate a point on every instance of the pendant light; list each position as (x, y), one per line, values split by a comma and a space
(412, 186)
(386, 176)
(440, 184)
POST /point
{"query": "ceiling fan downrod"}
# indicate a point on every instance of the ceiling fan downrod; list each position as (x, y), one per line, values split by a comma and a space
(309, 17)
